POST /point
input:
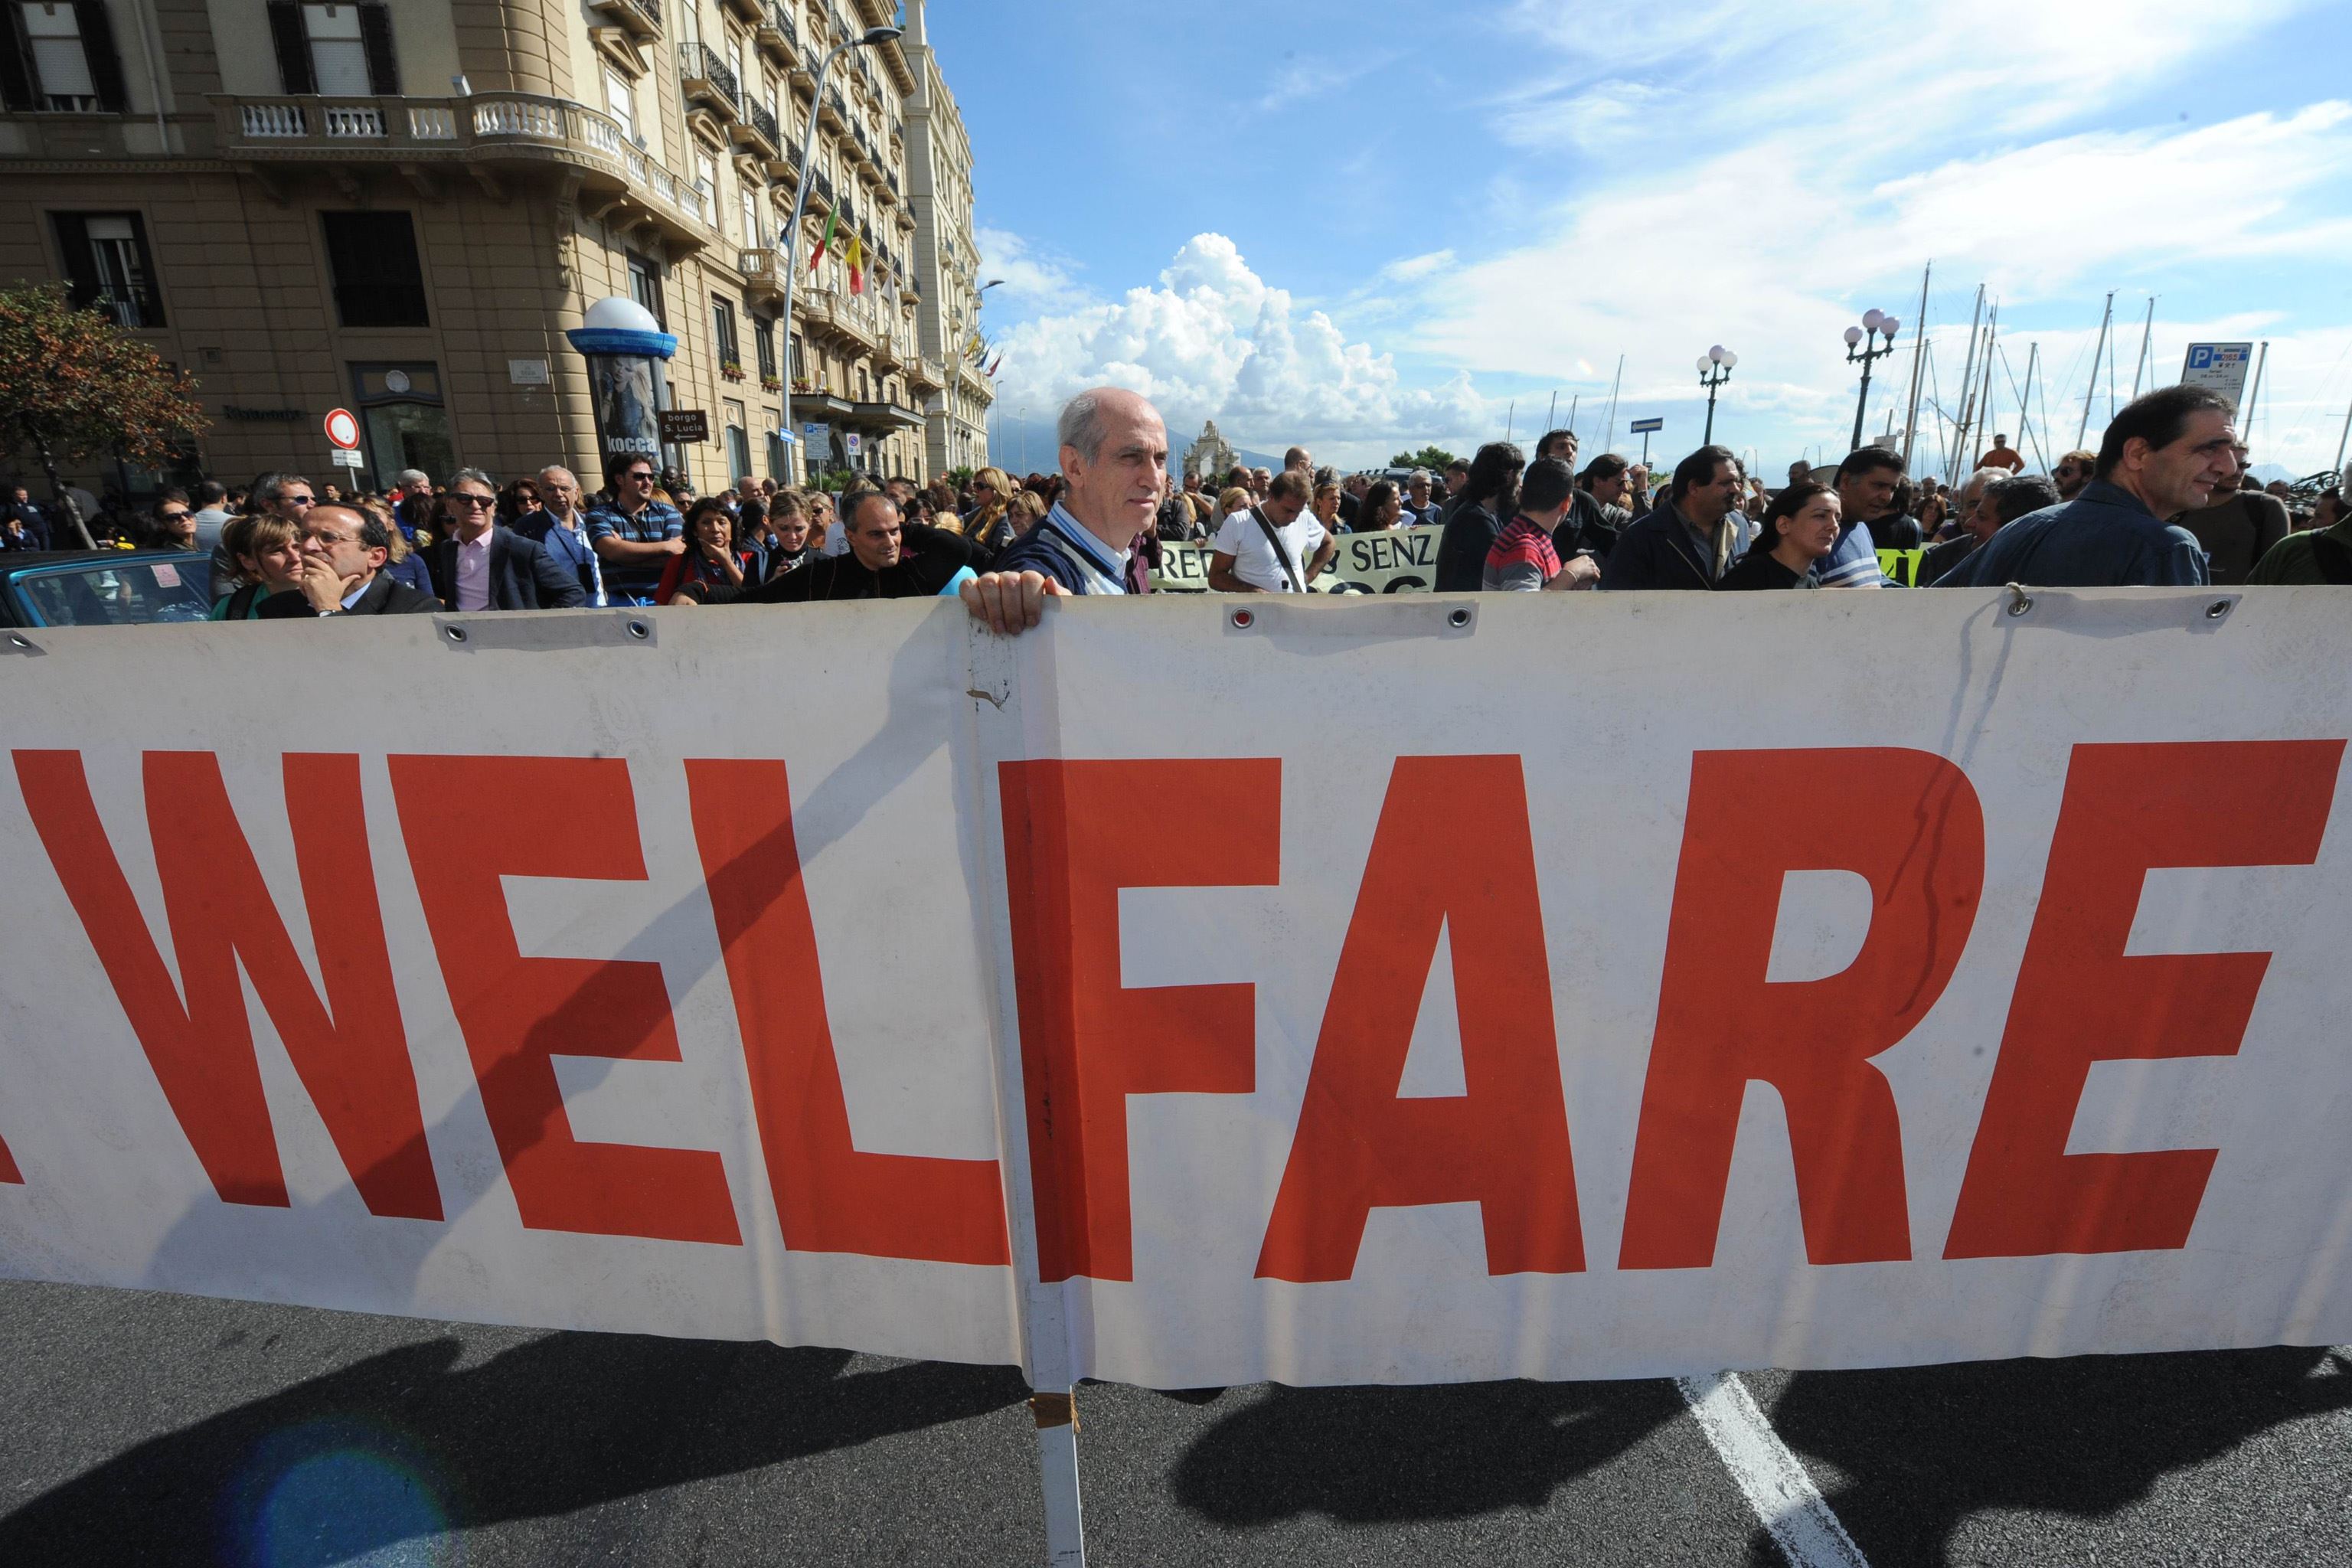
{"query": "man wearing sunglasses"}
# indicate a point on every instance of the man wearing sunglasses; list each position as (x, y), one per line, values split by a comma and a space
(634, 532)
(343, 553)
(480, 566)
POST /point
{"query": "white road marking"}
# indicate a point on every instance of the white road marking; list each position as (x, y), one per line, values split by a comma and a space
(1783, 1496)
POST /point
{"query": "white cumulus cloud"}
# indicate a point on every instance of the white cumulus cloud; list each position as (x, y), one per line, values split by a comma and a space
(1211, 340)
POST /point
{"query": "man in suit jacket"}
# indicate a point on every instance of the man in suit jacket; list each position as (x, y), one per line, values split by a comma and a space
(343, 553)
(482, 566)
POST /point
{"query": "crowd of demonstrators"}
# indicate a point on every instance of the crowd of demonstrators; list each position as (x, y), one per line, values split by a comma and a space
(2165, 500)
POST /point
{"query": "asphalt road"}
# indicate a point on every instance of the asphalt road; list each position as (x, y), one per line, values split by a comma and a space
(160, 1430)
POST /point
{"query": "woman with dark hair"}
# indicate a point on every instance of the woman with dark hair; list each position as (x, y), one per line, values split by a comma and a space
(1382, 508)
(1489, 495)
(1799, 527)
(174, 527)
(710, 558)
(520, 507)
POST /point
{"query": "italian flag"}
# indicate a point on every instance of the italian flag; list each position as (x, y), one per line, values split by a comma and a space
(826, 244)
(856, 260)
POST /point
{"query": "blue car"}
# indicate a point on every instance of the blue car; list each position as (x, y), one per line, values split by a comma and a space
(104, 587)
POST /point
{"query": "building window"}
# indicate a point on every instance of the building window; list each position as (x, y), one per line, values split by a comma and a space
(751, 202)
(706, 177)
(739, 445)
(722, 332)
(621, 103)
(60, 54)
(763, 340)
(108, 267)
(338, 50)
(646, 289)
(373, 258)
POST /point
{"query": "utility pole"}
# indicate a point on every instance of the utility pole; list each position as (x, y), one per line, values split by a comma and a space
(2091, 393)
(1918, 357)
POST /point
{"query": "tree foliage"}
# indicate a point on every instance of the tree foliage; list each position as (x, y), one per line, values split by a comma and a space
(1433, 458)
(75, 386)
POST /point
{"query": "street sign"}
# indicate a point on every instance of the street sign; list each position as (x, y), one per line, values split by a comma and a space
(684, 426)
(2218, 367)
(1648, 426)
(344, 457)
(343, 430)
(855, 443)
(526, 372)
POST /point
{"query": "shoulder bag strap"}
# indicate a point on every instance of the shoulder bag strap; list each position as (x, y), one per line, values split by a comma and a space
(1273, 537)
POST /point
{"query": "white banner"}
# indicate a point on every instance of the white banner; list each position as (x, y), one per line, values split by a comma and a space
(1601, 985)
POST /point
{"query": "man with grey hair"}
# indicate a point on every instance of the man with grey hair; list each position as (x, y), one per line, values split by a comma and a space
(1113, 452)
(480, 565)
(562, 530)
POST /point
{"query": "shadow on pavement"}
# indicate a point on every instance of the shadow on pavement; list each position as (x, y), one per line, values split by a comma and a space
(399, 1447)
(1381, 1455)
(1927, 1447)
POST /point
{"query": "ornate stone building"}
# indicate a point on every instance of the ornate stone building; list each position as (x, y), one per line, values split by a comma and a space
(946, 262)
(401, 208)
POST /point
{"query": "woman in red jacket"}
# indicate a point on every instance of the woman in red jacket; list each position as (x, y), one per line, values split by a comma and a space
(710, 558)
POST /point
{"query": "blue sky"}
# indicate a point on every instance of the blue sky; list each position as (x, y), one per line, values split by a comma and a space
(1369, 225)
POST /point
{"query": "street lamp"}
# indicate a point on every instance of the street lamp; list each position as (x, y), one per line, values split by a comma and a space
(1877, 324)
(1713, 370)
(874, 37)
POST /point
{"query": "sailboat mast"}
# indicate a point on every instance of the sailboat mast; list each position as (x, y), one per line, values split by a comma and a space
(1918, 354)
(2091, 393)
(1968, 384)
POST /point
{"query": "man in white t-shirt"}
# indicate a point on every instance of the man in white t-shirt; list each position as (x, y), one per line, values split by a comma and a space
(1243, 560)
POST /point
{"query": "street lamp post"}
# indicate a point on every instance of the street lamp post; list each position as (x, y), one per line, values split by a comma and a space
(1874, 326)
(1714, 368)
(872, 38)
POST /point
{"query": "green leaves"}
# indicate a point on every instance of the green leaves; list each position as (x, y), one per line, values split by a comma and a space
(82, 387)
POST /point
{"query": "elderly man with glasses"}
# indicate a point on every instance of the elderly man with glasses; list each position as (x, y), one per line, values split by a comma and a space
(343, 553)
(634, 532)
(482, 566)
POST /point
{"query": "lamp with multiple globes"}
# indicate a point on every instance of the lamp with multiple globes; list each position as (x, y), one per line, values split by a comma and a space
(1714, 368)
(1864, 347)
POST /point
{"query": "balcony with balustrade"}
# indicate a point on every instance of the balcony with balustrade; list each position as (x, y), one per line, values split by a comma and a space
(777, 36)
(710, 83)
(641, 19)
(748, 10)
(763, 273)
(756, 133)
(491, 136)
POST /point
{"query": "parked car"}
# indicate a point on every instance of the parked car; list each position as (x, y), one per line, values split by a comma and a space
(104, 587)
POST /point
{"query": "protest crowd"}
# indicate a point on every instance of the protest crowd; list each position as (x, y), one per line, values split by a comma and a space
(2165, 500)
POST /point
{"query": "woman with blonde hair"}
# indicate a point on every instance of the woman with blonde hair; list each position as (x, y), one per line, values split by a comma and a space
(991, 494)
(403, 564)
